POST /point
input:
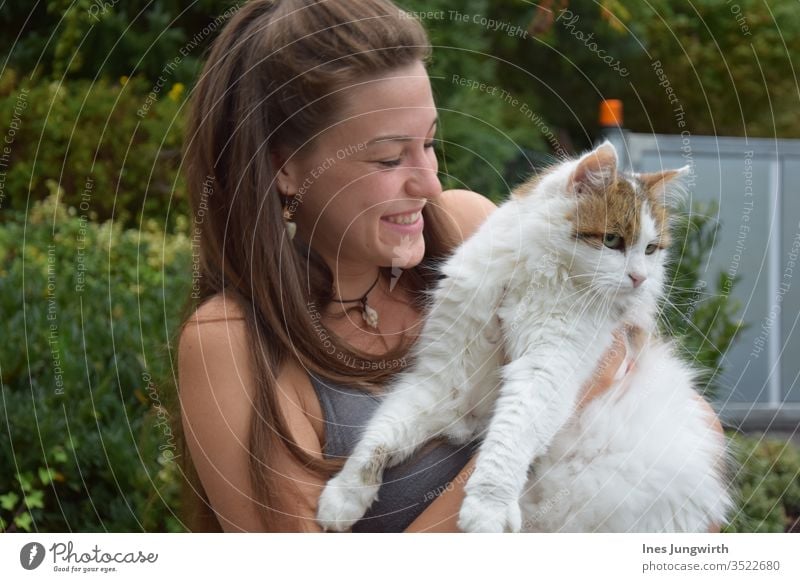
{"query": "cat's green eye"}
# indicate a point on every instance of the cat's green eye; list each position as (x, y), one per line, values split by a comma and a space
(613, 241)
(650, 249)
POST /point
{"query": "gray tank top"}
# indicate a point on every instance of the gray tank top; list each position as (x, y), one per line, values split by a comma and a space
(408, 488)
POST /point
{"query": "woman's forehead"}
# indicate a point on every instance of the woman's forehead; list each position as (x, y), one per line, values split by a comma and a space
(402, 98)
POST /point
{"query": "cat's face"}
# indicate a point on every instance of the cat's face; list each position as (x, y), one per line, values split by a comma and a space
(619, 227)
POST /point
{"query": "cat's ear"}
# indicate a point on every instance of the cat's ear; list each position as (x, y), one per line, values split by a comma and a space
(596, 171)
(667, 187)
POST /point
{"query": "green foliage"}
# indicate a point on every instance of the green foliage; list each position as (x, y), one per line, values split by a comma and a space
(729, 64)
(571, 78)
(105, 38)
(85, 372)
(767, 482)
(480, 131)
(109, 145)
(700, 314)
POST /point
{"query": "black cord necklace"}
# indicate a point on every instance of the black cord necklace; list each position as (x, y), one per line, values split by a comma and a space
(368, 313)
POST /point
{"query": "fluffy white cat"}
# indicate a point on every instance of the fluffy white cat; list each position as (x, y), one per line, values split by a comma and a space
(516, 328)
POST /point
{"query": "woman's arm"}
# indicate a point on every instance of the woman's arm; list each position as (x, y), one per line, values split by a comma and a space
(217, 395)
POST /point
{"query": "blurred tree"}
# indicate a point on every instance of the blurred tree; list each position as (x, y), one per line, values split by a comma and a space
(95, 38)
(730, 66)
(481, 129)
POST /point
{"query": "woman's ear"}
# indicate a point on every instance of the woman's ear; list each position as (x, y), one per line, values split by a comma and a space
(286, 172)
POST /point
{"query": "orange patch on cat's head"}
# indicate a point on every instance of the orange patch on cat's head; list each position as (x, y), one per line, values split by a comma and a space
(613, 209)
(611, 203)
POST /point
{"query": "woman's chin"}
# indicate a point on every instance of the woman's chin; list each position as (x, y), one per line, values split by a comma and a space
(405, 255)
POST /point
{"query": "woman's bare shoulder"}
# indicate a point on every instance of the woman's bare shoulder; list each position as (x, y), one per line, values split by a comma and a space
(467, 209)
(219, 324)
(216, 309)
(218, 393)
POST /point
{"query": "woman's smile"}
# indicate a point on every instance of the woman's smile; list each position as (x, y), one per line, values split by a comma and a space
(409, 223)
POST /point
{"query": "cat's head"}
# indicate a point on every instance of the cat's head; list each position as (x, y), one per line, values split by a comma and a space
(617, 225)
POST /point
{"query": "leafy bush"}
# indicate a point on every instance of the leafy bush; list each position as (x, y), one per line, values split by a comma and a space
(767, 484)
(730, 65)
(701, 315)
(110, 146)
(92, 38)
(91, 447)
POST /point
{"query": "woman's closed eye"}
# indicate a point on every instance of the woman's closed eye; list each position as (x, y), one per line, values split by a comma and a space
(396, 162)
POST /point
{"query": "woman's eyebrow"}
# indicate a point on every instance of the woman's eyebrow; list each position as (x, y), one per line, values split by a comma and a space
(397, 137)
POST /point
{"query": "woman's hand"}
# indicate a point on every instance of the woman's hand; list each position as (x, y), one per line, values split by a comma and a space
(603, 376)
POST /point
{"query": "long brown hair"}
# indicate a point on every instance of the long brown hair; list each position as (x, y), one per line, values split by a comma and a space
(270, 81)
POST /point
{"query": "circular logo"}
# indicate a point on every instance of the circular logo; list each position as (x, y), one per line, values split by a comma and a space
(31, 555)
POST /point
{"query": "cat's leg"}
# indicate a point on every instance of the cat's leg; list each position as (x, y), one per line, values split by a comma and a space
(537, 397)
(403, 422)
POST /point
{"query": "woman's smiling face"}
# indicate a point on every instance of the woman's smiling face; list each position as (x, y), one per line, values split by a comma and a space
(363, 183)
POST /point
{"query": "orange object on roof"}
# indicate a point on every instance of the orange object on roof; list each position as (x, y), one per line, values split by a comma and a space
(611, 113)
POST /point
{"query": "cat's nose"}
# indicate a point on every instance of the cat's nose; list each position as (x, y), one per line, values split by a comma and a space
(637, 279)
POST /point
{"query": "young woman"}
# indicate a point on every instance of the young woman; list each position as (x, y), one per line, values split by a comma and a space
(319, 219)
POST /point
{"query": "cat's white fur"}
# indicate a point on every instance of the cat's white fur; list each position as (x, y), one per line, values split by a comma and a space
(517, 326)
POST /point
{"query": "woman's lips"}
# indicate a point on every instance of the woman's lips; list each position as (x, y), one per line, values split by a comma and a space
(410, 223)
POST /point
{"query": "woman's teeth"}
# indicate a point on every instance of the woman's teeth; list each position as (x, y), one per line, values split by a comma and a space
(404, 218)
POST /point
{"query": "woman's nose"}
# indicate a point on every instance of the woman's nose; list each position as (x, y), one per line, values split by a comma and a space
(424, 181)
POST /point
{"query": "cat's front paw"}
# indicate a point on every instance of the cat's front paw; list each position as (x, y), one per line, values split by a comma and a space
(479, 514)
(343, 502)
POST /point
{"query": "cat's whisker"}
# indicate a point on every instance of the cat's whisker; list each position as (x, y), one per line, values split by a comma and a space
(697, 329)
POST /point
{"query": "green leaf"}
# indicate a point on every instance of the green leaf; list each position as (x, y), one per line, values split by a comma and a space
(35, 500)
(59, 455)
(9, 501)
(25, 480)
(23, 521)
(46, 475)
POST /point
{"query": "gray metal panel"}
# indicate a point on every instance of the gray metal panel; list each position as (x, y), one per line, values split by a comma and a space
(719, 178)
(789, 279)
(759, 242)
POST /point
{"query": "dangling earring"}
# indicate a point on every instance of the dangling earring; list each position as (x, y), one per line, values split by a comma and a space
(291, 226)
